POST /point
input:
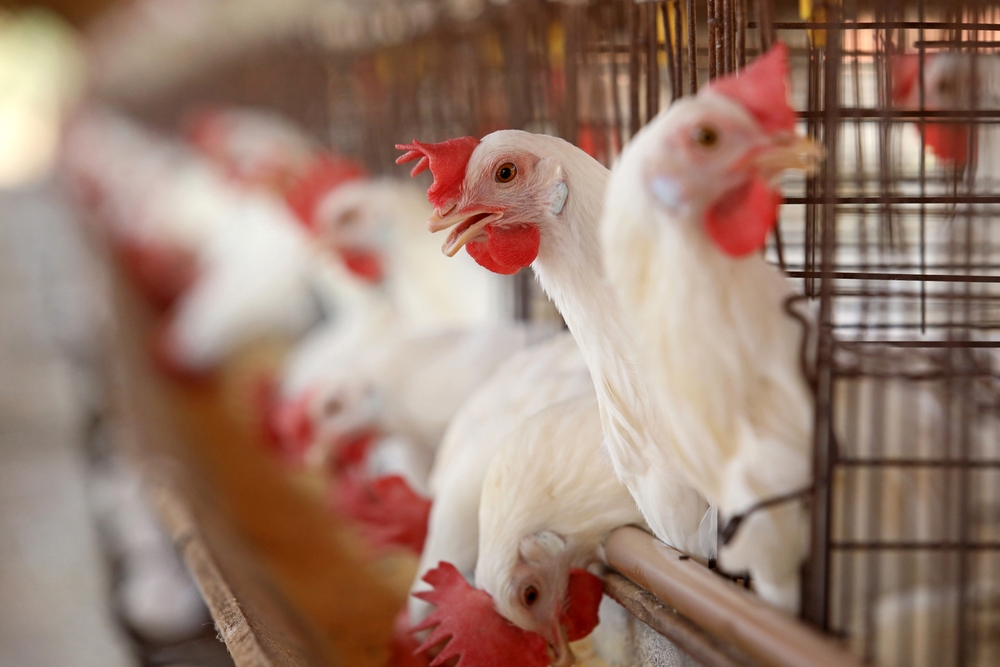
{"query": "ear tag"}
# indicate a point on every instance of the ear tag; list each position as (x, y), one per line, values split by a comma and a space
(557, 199)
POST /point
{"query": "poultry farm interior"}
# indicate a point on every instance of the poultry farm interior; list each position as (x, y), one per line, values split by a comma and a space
(529, 332)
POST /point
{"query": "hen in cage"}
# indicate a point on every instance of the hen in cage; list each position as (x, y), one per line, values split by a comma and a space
(768, 228)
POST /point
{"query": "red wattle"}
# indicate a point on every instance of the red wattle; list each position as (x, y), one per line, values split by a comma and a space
(741, 220)
(507, 249)
(351, 451)
(948, 141)
(365, 264)
(583, 598)
(294, 427)
(160, 271)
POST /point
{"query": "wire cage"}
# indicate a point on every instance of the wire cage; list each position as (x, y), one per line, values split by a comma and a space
(892, 243)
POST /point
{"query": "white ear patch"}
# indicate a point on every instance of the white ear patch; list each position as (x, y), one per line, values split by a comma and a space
(667, 191)
(557, 198)
(545, 544)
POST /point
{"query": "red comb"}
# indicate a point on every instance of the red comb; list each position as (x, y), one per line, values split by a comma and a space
(326, 173)
(447, 160)
(583, 599)
(761, 88)
(905, 69)
(389, 511)
(472, 630)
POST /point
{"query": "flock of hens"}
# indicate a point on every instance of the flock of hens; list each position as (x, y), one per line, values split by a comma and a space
(503, 453)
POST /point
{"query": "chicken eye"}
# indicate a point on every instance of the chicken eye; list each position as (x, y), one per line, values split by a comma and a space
(530, 596)
(332, 407)
(349, 218)
(947, 87)
(506, 172)
(705, 136)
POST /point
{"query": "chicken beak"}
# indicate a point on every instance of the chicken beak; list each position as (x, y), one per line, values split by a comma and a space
(559, 650)
(467, 223)
(797, 152)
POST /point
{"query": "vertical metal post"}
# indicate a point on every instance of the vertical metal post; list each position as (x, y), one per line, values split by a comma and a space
(633, 28)
(692, 30)
(652, 62)
(816, 584)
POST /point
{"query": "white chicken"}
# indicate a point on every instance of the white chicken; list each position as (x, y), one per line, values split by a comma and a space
(539, 526)
(516, 199)
(383, 413)
(259, 275)
(953, 82)
(154, 202)
(529, 382)
(403, 385)
(539, 522)
(690, 202)
(254, 146)
(377, 228)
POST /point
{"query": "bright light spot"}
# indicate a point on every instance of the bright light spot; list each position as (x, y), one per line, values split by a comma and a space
(41, 76)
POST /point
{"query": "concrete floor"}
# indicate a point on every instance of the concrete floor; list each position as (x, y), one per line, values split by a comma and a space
(54, 608)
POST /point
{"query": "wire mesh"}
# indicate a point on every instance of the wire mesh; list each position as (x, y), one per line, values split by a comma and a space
(894, 240)
(894, 249)
(893, 243)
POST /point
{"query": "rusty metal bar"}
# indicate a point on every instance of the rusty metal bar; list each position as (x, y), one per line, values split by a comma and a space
(652, 62)
(692, 29)
(719, 608)
(633, 21)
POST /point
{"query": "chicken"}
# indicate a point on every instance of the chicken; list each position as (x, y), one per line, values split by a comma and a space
(378, 228)
(539, 526)
(527, 383)
(253, 146)
(259, 276)
(404, 385)
(516, 199)
(153, 202)
(689, 204)
(384, 412)
(542, 526)
(953, 82)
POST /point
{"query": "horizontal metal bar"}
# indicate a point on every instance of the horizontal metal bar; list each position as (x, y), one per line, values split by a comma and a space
(910, 277)
(880, 25)
(932, 297)
(896, 199)
(720, 608)
(908, 115)
(685, 635)
(916, 546)
(964, 43)
(914, 463)
(932, 344)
